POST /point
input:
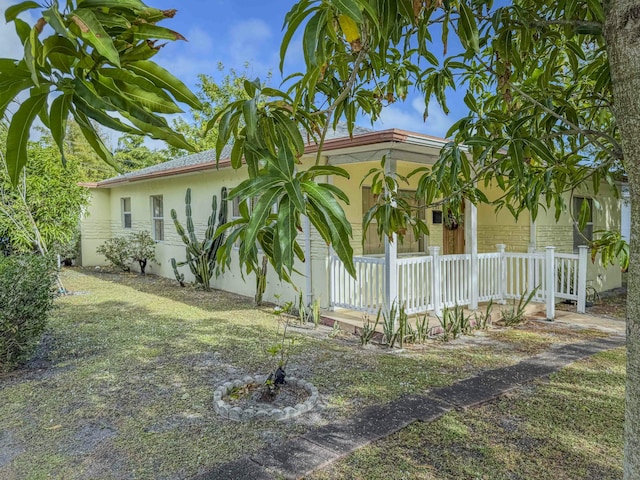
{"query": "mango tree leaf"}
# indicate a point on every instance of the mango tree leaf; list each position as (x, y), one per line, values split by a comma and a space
(146, 31)
(350, 8)
(18, 134)
(58, 121)
(91, 30)
(94, 139)
(287, 231)
(165, 80)
(12, 12)
(155, 101)
(102, 118)
(135, 5)
(468, 28)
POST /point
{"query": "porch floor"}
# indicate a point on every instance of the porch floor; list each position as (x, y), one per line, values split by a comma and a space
(351, 321)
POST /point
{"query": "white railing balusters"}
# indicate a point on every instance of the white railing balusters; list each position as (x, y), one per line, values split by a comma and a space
(428, 283)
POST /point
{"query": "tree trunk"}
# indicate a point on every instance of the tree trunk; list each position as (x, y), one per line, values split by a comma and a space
(622, 34)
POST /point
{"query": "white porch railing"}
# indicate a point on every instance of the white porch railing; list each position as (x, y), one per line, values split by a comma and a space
(430, 283)
(365, 293)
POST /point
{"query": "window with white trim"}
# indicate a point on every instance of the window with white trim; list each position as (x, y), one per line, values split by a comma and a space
(157, 217)
(125, 204)
(584, 236)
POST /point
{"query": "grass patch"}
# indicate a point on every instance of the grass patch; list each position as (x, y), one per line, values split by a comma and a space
(123, 383)
(568, 428)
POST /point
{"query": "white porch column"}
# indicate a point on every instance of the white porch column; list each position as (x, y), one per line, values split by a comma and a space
(533, 242)
(471, 248)
(502, 287)
(437, 279)
(390, 255)
(582, 278)
(550, 276)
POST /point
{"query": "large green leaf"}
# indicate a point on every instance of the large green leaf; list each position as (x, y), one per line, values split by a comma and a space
(155, 101)
(287, 231)
(9, 89)
(55, 20)
(468, 28)
(161, 133)
(350, 8)
(58, 120)
(101, 117)
(91, 135)
(135, 5)
(146, 31)
(12, 12)
(259, 215)
(18, 134)
(108, 89)
(161, 78)
(91, 30)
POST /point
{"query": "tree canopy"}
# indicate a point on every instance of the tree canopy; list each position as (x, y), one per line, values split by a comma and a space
(44, 209)
(213, 95)
(96, 61)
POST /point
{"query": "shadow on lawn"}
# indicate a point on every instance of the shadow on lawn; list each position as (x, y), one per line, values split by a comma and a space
(156, 285)
(119, 332)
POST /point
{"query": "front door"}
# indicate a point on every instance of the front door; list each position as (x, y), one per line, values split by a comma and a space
(452, 237)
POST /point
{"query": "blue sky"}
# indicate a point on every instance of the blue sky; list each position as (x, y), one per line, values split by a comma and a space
(236, 32)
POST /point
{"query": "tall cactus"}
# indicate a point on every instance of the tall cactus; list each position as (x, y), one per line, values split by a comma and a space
(201, 256)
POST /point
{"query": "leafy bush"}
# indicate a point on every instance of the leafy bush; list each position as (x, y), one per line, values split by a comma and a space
(121, 251)
(142, 249)
(27, 284)
(116, 250)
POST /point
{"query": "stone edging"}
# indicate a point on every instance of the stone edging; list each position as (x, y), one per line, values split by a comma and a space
(225, 410)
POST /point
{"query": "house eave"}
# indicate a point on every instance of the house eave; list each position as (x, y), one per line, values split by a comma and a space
(392, 136)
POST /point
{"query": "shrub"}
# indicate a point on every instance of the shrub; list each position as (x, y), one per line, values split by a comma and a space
(142, 249)
(121, 251)
(27, 284)
(117, 252)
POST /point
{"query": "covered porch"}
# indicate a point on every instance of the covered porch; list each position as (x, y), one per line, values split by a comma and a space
(432, 282)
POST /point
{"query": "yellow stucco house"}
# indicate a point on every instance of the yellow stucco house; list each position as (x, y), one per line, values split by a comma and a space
(488, 255)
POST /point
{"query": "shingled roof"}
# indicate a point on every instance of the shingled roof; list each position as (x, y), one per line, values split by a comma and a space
(209, 157)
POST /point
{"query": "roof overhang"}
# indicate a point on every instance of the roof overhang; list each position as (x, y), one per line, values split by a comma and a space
(340, 150)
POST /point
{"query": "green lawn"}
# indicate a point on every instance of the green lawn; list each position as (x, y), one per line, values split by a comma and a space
(123, 383)
(567, 428)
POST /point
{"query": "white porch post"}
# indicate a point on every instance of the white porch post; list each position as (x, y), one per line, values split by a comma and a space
(550, 276)
(502, 288)
(582, 278)
(331, 278)
(471, 247)
(437, 279)
(390, 255)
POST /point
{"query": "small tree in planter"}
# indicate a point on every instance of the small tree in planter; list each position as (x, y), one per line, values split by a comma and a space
(280, 351)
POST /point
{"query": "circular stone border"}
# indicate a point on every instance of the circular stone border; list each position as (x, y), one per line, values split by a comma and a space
(225, 410)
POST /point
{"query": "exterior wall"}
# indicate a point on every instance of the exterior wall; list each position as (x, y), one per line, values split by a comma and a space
(95, 227)
(495, 228)
(104, 220)
(606, 216)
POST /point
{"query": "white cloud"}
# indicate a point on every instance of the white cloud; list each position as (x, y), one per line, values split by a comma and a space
(10, 46)
(252, 41)
(409, 116)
